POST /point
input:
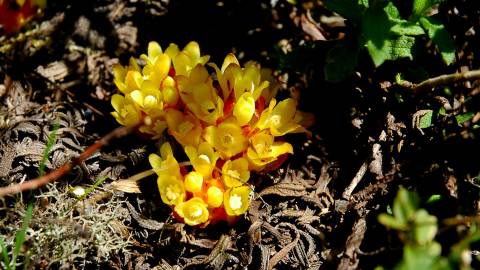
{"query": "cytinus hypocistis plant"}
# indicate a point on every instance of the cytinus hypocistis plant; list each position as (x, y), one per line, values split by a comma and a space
(228, 124)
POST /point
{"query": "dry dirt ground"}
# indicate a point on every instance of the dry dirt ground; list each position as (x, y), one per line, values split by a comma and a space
(305, 215)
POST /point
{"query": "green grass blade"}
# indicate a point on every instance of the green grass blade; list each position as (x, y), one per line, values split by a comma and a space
(20, 236)
(51, 140)
(6, 259)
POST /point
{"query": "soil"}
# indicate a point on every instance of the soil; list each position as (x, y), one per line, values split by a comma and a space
(57, 76)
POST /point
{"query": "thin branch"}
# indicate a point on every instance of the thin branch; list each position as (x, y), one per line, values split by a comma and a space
(358, 177)
(50, 177)
(442, 80)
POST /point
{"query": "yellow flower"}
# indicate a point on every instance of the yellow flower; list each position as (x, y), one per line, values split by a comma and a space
(214, 197)
(126, 112)
(244, 109)
(172, 190)
(226, 75)
(127, 78)
(148, 97)
(169, 91)
(184, 127)
(236, 200)
(193, 181)
(188, 58)
(203, 159)
(227, 138)
(193, 211)
(264, 150)
(235, 173)
(157, 64)
(281, 118)
(198, 93)
(165, 164)
(232, 77)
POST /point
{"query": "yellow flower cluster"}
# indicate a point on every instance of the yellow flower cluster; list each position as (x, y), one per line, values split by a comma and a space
(227, 123)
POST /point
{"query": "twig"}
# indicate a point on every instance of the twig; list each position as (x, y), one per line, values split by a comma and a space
(358, 177)
(442, 80)
(45, 179)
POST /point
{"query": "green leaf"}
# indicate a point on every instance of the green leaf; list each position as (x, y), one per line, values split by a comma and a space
(407, 28)
(422, 257)
(348, 9)
(392, 222)
(425, 227)
(441, 38)
(426, 120)
(6, 259)
(404, 205)
(390, 49)
(392, 12)
(420, 7)
(462, 118)
(20, 236)
(340, 62)
(434, 198)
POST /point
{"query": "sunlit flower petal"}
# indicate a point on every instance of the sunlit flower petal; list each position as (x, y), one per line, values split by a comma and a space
(227, 138)
(214, 196)
(235, 173)
(263, 150)
(203, 159)
(193, 181)
(193, 211)
(236, 200)
(185, 128)
(172, 190)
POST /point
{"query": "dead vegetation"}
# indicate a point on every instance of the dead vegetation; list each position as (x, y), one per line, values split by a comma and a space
(318, 211)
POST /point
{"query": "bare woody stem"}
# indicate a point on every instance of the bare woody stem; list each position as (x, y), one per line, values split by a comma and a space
(442, 80)
(54, 175)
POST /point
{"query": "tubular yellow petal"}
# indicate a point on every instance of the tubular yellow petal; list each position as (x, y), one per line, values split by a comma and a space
(192, 49)
(235, 173)
(193, 211)
(154, 49)
(133, 80)
(236, 200)
(244, 109)
(171, 189)
(170, 95)
(117, 102)
(137, 97)
(214, 197)
(226, 138)
(172, 50)
(229, 59)
(166, 150)
(193, 181)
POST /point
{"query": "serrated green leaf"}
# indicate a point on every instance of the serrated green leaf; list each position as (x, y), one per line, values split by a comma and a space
(392, 11)
(462, 118)
(391, 49)
(340, 62)
(407, 28)
(440, 37)
(426, 120)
